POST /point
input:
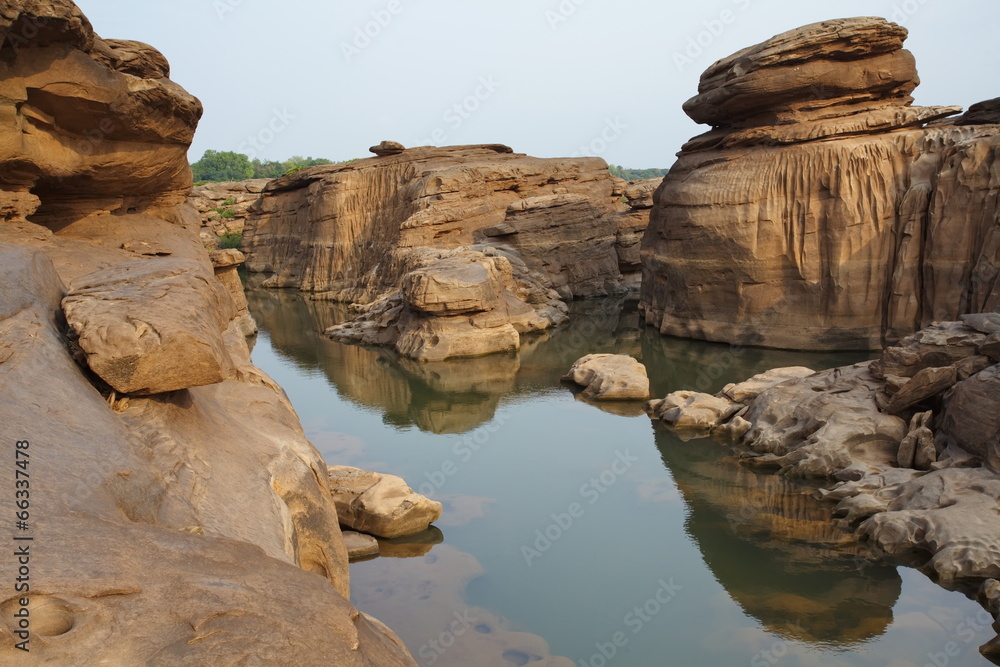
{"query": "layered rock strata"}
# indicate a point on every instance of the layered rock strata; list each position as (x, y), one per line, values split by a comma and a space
(823, 211)
(224, 207)
(356, 232)
(186, 519)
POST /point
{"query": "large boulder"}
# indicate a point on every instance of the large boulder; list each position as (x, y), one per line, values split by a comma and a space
(610, 377)
(971, 418)
(382, 505)
(188, 527)
(152, 327)
(819, 187)
(140, 527)
(468, 302)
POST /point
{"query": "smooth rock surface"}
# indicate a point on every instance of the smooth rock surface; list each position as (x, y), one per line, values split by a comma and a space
(825, 424)
(150, 328)
(378, 504)
(744, 392)
(610, 377)
(691, 410)
(360, 546)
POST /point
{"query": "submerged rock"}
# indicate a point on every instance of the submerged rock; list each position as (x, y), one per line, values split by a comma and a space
(610, 377)
(378, 504)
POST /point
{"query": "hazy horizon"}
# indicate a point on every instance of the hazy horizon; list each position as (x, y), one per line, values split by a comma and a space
(550, 78)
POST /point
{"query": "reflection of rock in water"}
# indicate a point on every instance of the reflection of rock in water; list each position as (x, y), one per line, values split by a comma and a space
(411, 546)
(435, 584)
(776, 551)
(440, 397)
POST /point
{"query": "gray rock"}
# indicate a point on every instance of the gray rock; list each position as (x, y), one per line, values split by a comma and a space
(924, 385)
(987, 323)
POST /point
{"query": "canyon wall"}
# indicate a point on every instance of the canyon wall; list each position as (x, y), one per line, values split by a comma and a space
(349, 229)
(823, 210)
(178, 512)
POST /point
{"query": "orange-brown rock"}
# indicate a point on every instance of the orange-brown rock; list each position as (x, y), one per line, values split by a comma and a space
(180, 517)
(348, 229)
(820, 212)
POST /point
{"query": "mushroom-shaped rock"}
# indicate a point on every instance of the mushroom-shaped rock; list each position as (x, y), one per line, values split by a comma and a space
(379, 504)
(388, 148)
(610, 377)
(152, 327)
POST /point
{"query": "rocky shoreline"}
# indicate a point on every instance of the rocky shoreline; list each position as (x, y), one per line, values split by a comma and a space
(178, 498)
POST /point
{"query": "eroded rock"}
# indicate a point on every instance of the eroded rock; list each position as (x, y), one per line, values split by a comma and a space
(610, 377)
(820, 186)
(744, 392)
(691, 410)
(378, 504)
(150, 328)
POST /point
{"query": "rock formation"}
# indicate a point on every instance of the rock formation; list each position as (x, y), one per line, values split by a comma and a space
(356, 232)
(226, 264)
(823, 211)
(378, 504)
(610, 377)
(185, 518)
(224, 207)
(909, 443)
(468, 302)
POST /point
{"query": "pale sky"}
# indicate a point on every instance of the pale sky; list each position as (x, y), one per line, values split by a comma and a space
(550, 78)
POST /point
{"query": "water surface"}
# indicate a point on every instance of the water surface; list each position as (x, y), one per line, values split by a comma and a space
(577, 534)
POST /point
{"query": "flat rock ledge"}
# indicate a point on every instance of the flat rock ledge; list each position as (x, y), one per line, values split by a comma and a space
(909, 442)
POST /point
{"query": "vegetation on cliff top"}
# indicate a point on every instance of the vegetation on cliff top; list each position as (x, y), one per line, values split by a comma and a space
(217, 166)
(636, 174)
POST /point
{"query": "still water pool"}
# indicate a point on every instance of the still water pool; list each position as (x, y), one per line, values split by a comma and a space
(583, 535)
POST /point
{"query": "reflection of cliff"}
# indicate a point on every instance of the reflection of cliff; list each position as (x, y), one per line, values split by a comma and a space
(440, 397)
(775, 550)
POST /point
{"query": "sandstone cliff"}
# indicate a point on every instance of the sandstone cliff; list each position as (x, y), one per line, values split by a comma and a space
(823, 211)
(455, 251)
(179, 514)
(348, 228)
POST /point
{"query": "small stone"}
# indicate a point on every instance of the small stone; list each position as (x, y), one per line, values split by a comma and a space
(360, 546)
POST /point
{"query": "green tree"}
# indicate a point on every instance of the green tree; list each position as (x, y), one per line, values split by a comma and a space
(218, 166)
(636, 174)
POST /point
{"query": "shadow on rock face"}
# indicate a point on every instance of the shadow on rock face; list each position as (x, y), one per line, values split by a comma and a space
(776, 551)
